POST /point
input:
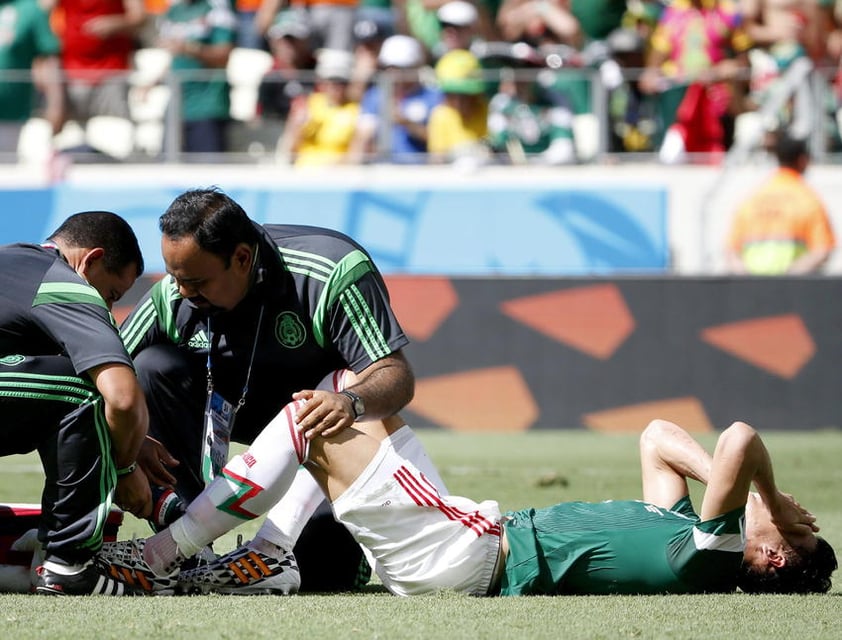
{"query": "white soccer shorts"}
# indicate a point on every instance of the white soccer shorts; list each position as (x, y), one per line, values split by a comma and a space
(421, 540)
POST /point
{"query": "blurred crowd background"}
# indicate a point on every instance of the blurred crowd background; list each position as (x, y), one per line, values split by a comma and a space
(472, 82)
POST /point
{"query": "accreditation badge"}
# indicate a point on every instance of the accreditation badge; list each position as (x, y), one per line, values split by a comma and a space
(219, 422)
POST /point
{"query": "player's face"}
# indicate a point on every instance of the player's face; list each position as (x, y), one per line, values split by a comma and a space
(203, 278)
(766, 547)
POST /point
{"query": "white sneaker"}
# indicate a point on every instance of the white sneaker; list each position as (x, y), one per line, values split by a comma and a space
(244, 571)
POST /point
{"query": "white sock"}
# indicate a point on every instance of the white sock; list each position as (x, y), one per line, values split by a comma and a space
(161, 553)
(286, 520)
(246, 488)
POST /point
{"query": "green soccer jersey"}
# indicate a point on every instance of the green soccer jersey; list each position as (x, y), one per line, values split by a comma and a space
(622, 547)
(532, 125)
(206, 22)
(25, 35)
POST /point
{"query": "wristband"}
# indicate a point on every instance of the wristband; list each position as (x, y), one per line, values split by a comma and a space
(126, 470)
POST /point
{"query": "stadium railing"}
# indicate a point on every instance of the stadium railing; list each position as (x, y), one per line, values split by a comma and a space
(599, 123)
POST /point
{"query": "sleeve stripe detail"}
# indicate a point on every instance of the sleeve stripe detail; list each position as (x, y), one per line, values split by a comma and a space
(307, 272)
(133, 333)
(302, 257)
(364, 323)
(158, 307)
(67, 292)
(44, 387)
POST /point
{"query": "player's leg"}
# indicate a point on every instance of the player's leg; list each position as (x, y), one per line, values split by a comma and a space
(302, 521)
(328, 557)
(286, 520)
(246, 488)
(258, 567)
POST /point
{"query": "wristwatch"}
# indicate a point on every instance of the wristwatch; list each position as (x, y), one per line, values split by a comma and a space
(357, 404)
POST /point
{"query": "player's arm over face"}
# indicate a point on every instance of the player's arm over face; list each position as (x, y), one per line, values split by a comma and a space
(739, 460)
(668, 456)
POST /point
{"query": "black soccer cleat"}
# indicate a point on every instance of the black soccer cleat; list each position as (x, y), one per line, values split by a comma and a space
(90, 581)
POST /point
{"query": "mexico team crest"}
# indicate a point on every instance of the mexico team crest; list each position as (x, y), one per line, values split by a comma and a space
(289, 330)
(11, 361)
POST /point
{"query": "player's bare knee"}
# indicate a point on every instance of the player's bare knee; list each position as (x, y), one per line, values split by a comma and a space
(323, 449)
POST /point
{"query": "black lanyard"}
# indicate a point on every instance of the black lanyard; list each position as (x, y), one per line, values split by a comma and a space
(242, 400)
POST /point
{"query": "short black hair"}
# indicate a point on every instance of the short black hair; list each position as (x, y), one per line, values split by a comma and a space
(214, 220)
(789, 150)
(804, 572)
(91, 229)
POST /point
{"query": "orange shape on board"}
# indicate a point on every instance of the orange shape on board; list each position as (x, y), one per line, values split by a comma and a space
(495, 399)
(593, 319)
(421, 304)
(781, 345)
(633, 418)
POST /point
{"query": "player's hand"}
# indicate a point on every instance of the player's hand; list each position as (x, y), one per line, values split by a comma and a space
(154, 459)
(133, 493)
(324, 413)
(791, 519)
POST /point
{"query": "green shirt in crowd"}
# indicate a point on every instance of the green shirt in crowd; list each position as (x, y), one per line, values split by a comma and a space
(205, 93)
(25, 35)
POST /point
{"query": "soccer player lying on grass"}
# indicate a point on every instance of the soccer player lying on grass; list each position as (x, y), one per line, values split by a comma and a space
(423, 541)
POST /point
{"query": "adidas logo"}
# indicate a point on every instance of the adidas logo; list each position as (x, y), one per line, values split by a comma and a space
(199, 341)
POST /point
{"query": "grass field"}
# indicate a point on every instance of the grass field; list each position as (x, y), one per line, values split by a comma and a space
(533, 469)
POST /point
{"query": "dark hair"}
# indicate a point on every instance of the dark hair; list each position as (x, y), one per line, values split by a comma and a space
(790, 150)
(91, 229)
(214, 220)
(804, 572)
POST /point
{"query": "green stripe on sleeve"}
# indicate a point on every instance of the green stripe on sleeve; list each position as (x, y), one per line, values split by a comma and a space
(67, 292)
(364, 324)
(157, 308)
(350, 269)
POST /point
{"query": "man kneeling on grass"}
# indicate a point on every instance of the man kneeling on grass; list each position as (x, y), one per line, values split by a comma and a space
(423, 540)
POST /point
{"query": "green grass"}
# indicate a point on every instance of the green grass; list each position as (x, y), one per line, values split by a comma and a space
(533, 469)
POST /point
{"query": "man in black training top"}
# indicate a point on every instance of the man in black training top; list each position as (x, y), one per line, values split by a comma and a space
(68, 389)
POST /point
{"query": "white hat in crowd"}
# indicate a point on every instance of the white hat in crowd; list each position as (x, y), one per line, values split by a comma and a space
(334, 64)
(403, 52)
(458, 13)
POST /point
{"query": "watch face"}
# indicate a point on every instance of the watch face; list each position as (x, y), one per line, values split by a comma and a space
(359, 407)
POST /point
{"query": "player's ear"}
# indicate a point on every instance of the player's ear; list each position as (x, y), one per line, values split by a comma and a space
(243, 256)
(90, 257)
(775, 557)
